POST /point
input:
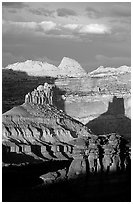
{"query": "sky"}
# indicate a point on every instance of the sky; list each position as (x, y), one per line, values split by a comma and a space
(93, 33)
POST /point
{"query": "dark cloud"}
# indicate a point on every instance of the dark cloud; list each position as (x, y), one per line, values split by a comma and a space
(109, 10)
(93, 13)
(121, 10)
(42, 11)
(12, 11)
(64, 12)
(18, 5)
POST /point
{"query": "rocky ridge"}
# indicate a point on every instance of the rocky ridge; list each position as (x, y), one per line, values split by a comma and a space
(109, 71)
(67, 68)
(35, 68)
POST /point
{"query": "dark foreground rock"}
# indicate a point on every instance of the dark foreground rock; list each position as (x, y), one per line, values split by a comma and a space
(27, 187)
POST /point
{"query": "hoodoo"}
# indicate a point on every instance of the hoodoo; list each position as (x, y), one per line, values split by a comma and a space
(41, 95)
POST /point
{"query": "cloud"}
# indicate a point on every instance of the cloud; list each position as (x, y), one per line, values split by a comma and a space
(28, 26)
(18, 27)
(12, 11)
(47, 25)
(64, 12)
(90, 28)
(110, 9)
(94, 28)
(71, 26)
(52, 29)
(42, 11)
(18, 5)
(93, 13)
(121, 10)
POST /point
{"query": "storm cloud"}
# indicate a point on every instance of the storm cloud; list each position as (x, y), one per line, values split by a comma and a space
(17, 5)
(42, 11)
(64, 12)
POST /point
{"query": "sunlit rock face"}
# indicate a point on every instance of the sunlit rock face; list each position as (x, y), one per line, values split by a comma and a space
(71, 68)
(35, 68)
(110, 71)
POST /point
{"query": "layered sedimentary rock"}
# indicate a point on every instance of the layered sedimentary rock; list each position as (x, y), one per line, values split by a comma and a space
(40, 128)
(37, 131)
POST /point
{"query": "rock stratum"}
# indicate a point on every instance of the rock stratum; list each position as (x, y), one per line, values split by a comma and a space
(37, 131)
